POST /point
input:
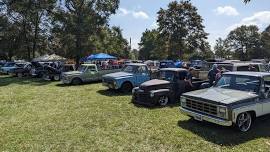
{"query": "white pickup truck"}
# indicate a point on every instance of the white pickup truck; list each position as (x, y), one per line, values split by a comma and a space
(235, 100)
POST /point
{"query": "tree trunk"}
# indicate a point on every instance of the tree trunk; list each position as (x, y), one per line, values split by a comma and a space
(36, 35)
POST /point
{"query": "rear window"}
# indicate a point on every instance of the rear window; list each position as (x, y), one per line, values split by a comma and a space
(246, 68)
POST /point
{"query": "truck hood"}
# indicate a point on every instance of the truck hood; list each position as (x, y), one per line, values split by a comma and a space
(155, 84)
(118, 75)
(71, 73)
(224, 96)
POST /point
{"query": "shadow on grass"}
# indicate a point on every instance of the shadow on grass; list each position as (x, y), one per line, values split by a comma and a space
(227, 136)
(69, 85)
(111, 92)
(7, 80)
(147, 106)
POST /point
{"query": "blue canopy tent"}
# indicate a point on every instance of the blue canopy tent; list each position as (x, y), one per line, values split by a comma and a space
(100, 56)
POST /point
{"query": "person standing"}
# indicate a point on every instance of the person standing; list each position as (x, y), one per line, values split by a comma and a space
(212, 74)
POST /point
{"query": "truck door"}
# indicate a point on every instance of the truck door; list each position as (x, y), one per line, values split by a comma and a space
(266, 101)
(142, 75)
(90, 74)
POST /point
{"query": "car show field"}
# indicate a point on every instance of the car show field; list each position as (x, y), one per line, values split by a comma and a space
(38, 115)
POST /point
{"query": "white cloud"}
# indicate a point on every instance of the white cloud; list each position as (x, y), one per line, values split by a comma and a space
(135, 14)
(261, 19)
(123, 12)
(226, 10)
(140, 14)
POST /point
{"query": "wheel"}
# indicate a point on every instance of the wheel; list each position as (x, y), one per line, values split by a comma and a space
(20, 75)
(126, 87)
(76, 81)
(244, 121)
(163, 100)
(56, 77)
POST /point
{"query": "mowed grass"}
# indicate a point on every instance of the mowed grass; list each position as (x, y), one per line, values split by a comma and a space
(36, 115)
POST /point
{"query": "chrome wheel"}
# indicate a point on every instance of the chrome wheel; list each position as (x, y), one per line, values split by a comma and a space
(244, 121)
(163, 100)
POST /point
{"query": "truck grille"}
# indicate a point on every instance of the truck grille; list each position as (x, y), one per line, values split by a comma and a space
(202, 107)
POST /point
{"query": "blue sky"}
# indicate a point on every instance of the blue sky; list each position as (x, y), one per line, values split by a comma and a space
(220, 16)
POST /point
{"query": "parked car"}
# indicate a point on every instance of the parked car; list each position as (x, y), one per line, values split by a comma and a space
(85, 73)
(8, 66)
(167, 89)
(55, 74)
(22, 70)
(166, 64)
(235, 100)
(132, 75)
(197, 64)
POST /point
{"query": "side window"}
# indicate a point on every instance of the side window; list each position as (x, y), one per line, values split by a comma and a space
(267, 86)
(142, 70)
(242, 68)
(182, 75)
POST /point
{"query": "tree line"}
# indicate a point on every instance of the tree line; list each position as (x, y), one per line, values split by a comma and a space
(180, 35)
(244, 43)
(71, 28)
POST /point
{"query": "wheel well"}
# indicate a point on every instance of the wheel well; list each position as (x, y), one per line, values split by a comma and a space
(253, 114)
(127, 82)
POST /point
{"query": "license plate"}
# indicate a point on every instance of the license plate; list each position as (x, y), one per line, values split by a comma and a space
(197, 117)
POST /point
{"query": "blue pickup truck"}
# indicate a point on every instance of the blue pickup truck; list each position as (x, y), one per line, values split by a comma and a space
(132, 75)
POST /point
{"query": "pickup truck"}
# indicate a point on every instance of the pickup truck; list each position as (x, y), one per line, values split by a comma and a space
(235, 100)
(132, 75)
(166, 89)
(86, 73)
(229, 66)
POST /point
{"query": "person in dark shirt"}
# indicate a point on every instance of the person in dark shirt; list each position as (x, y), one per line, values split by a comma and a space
(188, 79)
(212, 74)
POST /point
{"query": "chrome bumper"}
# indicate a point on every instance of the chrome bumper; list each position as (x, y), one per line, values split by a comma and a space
(206, 118)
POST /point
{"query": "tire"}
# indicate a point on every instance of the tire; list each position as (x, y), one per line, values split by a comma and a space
(20, 75)
(244, 121)
(76, 81)
(126, 87)
(163, 100)
(56, 77)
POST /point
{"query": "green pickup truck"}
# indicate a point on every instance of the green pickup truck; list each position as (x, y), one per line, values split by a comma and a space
(85, 73)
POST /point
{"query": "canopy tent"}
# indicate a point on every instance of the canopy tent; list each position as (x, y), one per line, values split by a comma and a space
(100, 56)
(47, 57)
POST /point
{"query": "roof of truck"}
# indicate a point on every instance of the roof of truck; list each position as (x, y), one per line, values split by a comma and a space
(173, 69)
(249, 73)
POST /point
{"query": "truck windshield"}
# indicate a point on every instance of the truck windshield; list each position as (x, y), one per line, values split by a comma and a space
(239, 82)
(82, 68)
(130, 69)
(166, 75)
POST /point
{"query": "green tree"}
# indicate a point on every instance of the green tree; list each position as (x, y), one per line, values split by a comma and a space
(152, 46)
(222, 49)
(245, 42)
(265, 38)
(32, 20)
(80, 19)
(182, 27)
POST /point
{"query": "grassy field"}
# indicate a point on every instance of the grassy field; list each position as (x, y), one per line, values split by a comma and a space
(36, 115)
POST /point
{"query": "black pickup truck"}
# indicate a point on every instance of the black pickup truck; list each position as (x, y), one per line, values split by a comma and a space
(166, 89)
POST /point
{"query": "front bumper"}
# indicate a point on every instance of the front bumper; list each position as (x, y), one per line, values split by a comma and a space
(206, 118)
(144, 98)
(65, 80)
(109, 85)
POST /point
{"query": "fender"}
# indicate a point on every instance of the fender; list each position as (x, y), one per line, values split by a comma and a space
(161, 92)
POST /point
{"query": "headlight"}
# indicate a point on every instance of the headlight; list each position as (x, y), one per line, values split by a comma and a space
(152, 94)
(222, 112)
(183, 101)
